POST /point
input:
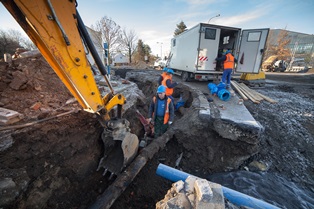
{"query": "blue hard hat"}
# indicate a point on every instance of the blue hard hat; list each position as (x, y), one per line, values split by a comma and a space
(165, 69)
(170, 71)
(228, 51)
(161, 89)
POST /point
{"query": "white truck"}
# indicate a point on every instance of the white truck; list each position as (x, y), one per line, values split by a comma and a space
(193, 52)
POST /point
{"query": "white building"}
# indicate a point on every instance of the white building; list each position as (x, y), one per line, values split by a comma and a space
(120, 59)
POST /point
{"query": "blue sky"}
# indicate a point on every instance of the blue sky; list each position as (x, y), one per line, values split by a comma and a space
(155, 20)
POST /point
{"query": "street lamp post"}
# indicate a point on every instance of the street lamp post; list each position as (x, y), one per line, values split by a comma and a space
(213, 17)
(160, 48)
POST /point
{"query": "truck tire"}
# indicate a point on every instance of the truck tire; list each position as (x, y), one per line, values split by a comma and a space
(185, 76)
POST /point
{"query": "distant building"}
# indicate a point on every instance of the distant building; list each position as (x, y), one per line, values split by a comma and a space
(120, 59)
(300, 42)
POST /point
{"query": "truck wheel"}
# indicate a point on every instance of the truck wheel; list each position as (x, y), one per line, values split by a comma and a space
(185, 76)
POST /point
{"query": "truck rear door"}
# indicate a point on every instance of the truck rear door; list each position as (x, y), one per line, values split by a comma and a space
(252, 46)
(208, 48)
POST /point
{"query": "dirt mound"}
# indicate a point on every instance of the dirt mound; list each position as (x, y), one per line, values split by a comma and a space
(30, 87)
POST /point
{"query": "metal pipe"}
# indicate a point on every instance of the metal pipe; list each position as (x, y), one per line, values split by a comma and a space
(233, 196)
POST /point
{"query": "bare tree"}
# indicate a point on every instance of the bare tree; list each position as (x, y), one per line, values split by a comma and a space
(111, 32)
(128, 42)
(8, 44)
(278, 45)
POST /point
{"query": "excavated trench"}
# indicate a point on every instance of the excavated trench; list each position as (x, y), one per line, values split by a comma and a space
(53, 164)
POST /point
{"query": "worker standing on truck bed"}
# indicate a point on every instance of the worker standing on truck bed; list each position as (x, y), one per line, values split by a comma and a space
(161, 112)
(229, 61)
(169, 84)
(162, 76)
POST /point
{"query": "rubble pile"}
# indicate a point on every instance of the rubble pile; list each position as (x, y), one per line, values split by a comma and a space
(30, 87)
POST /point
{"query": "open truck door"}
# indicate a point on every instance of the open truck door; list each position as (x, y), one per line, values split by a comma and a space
(251, 50)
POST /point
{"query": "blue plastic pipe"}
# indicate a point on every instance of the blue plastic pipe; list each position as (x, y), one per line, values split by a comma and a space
(212, 88)
(233, 196)
(224, 94)
(220, 90)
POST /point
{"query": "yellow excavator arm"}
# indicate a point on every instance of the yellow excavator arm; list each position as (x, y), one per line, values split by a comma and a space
(58, 31)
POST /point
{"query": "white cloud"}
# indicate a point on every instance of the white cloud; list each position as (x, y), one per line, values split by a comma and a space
(199, 2)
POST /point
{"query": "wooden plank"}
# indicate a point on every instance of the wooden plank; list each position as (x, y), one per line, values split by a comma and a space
(235, 85)
(245, 88)
(249, 95)
(253, 92)
(267, 98)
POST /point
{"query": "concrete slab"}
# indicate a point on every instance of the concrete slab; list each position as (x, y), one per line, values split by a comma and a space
(9, 116)
(234, 111)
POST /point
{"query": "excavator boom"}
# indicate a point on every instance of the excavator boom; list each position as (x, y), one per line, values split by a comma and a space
(58, 31)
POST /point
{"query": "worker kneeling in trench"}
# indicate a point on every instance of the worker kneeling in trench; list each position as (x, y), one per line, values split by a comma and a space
(161, 112)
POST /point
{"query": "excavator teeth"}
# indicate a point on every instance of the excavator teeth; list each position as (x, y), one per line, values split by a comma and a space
(105, 172)
(100, 163)
(111, 176)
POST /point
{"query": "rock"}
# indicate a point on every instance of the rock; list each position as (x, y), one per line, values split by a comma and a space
(203, 190)
(7, 186)
(12, 183)
(19, 81)
(258, 166)
(36, 106)
(197, 194)
(6, 141)
(9, 116)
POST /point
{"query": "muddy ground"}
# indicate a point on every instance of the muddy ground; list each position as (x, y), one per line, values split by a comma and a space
(53, 164)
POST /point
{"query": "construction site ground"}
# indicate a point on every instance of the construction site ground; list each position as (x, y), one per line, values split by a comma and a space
(49, 160)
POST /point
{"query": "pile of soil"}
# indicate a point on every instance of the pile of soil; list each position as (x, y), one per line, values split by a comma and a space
(30, 87)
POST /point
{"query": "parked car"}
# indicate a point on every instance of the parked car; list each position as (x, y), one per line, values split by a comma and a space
(160, 63)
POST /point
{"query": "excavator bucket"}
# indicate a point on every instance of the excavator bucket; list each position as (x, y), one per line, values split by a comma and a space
(120, 147)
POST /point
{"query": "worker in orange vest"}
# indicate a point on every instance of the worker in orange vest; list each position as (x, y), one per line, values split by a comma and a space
(162, 76)
(161, 112)
(229, 61)
(169, 84)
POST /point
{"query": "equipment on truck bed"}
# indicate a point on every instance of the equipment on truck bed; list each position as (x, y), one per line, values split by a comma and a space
(58, 31)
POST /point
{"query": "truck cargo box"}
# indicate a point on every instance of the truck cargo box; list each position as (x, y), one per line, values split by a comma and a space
(193, 52)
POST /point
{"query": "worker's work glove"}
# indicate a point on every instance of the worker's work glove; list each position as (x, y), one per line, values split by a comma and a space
(149, 120)
(170, 122)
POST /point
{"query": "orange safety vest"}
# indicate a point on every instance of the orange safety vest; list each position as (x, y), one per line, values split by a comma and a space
(229, 62)
(169, 91)
(163, 75)
(167, 115)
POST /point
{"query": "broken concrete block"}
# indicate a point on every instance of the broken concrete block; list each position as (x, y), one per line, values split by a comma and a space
(9, 116)
(203, 191)
(180, 202)
(189, 184)
(36, 106)
(191, 198)
(178, 186)
(217, 200)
